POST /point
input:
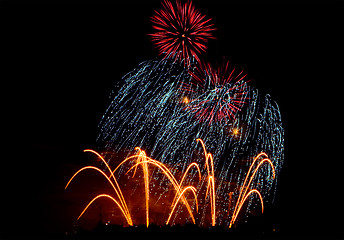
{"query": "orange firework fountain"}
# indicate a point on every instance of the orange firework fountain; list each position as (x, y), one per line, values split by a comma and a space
(140, 158)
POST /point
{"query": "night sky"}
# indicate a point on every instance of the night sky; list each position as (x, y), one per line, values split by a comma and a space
(60, 61)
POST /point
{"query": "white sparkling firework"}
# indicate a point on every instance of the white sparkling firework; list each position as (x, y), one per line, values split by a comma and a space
(148, 111)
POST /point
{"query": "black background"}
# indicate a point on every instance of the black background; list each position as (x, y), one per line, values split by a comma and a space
(60, 60)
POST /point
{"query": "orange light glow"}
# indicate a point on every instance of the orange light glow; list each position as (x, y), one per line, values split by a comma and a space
(186, 100)
(236, 132)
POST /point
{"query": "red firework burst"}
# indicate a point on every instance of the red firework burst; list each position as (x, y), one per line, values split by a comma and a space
(181, 30)
(215, 94)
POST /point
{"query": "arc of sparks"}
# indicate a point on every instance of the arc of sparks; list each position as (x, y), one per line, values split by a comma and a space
(243, 195)
(172, 179)
(124, 207)
(193, 190)
(242, 203)
(106, 196)
(141, 158)
(144, 160)
(209, 164)
(182, 180)
(118, 190)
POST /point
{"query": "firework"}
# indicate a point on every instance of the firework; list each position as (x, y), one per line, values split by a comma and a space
(181, 29)
(216, 94)
(141, 159)
(164, 105)
(149, 111)
(121, 204)
(180, 191)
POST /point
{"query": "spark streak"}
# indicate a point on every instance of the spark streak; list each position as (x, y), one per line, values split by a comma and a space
(123, 207)
(243, 201)
(170, 176)
(106, 196)
(193, 189)
(209, 164)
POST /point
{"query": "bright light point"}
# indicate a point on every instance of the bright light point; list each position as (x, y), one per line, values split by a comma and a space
(186, 100)
(235, 132)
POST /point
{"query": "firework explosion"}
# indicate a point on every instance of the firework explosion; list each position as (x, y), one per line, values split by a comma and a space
(164, 105)
(149, 112)
(181, 29)
(217, 94)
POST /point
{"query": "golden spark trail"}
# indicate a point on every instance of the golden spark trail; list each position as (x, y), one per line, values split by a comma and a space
(255, 171)
(243, 195)
(118, 190)
(107, 196)
(165, 171)
(253, 175)
(211, 181)
(142, 159)
(89, 167)
(184, 175)
(172, 179)
(243, 201)
(193, 189)
(248, 173)
(125, 213)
